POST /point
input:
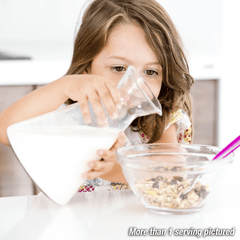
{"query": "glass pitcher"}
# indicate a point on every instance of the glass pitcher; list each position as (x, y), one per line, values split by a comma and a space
(55, 148)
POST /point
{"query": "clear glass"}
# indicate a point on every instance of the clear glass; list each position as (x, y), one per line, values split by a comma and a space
(159, 173)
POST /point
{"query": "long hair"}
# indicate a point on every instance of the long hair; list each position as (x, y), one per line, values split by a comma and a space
(100, 18)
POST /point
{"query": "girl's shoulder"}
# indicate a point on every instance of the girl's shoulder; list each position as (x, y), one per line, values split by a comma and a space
(178, 117)
(183, 123)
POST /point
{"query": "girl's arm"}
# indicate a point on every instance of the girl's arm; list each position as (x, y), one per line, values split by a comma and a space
(40, 101)
(79, 88)
(169, 135)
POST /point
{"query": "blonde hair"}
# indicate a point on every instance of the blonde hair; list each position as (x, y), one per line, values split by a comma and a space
(102, 16)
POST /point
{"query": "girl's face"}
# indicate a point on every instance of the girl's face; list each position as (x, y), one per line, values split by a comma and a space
(126, 46)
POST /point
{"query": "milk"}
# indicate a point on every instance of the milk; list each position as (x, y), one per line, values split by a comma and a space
(55, 157)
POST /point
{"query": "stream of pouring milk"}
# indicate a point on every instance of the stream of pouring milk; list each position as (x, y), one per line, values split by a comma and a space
(55, 157)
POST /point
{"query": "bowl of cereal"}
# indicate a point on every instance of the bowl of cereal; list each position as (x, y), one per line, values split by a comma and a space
(160, 175)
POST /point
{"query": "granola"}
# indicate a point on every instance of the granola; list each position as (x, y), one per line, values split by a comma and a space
(167, 192)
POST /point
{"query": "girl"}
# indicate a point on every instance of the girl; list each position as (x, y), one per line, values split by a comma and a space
(113, 35)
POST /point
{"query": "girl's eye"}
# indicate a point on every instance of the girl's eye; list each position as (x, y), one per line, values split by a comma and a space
(151, 72)
(118, 69)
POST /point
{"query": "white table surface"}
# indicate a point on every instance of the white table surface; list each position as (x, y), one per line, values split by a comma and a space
(109, 215)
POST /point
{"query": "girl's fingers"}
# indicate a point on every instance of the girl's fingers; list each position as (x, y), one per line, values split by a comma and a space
(120, 141)
(93, 88)
(109, 156)
(83, 103)
(108, 102)
(97, 106)
(115, 94)
(101, 165)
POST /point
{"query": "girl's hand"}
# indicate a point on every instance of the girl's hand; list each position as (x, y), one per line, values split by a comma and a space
(109, 159)
(92, 88)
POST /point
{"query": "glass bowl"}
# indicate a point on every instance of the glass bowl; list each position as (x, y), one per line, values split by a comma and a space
(160, 173)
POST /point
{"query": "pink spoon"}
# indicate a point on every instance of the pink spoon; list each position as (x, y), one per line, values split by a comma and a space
(228, 149)
(232, 146)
